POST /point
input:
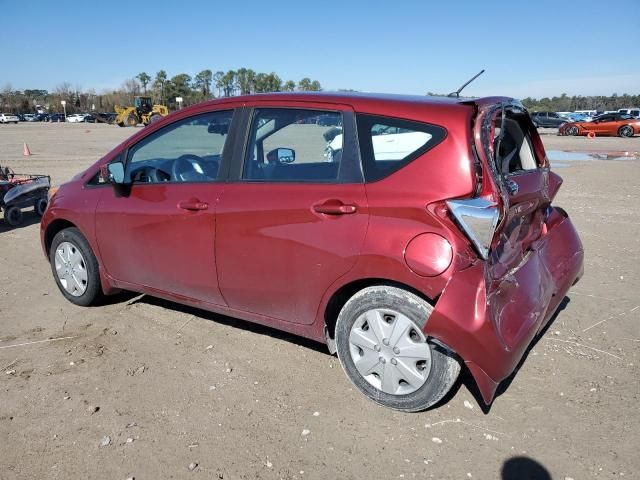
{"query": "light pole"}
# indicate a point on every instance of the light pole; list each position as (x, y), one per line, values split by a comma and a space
(179, 100)
(64, 107)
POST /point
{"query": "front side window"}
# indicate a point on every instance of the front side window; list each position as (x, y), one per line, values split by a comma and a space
(188, 150)
(289, 145)
(388, 144)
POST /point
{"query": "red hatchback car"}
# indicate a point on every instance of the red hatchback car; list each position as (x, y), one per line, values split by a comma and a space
(412, 235)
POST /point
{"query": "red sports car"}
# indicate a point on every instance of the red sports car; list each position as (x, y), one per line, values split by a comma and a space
(414, 236)
(609, 124)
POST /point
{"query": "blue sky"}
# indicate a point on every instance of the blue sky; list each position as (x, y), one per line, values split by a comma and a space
(529, 48)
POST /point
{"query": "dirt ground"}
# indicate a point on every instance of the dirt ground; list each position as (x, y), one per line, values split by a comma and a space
(164, 388)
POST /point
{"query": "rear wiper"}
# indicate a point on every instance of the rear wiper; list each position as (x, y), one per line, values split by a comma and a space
(456, 94)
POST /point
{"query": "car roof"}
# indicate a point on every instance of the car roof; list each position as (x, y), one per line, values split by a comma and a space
(361, 100)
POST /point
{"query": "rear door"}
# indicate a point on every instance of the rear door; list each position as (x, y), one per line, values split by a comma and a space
(293, 217)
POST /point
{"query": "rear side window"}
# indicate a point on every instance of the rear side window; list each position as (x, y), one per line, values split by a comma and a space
(388, 144)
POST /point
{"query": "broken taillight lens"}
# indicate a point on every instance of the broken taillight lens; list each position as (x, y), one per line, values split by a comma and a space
(478, 219)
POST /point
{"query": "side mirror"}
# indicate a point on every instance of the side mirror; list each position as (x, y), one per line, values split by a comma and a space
(116, 173)
(282, 155)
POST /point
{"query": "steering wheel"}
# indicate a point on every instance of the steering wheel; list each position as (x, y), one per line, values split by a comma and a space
(188, 167)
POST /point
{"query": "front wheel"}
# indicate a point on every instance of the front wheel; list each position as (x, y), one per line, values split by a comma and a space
(573, 131)
(131, 121)
(75, 267)
(626, 131)
(385, 353)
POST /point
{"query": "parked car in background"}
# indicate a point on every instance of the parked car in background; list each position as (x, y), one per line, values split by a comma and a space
(8, 118)
(42, 117)
(590, 113)
(608, 124)
(76, 118)
(88, 118)
(634, 112)
(547, 119)
(56, 117)
(422, 246)
(30, 117)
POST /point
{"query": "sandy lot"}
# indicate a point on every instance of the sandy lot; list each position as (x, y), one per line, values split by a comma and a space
(172, 386)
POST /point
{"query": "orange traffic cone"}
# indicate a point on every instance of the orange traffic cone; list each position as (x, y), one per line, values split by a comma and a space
(25, 150)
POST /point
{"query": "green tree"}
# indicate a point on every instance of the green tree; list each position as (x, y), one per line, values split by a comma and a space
(245, 79)
(217, 81)
(304, 84)
(144, 79)
(159, 85)
(202, 82)
(179, 86)
(228, 82)
(289, 86)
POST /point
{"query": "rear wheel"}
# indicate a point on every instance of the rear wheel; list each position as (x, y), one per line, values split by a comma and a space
(385, 353)
(154, 118)
(572, 130)
(75, 267)
(39, 206)
(13, 216)
(626, 131)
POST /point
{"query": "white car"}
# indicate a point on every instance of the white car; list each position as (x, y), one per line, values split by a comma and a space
(8, 118)
(75, 118)
(389, 143)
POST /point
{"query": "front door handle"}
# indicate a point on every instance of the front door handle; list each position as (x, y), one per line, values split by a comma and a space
(335, 207)
(193, 204)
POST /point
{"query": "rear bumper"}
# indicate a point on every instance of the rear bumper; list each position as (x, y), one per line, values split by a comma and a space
(491, 328)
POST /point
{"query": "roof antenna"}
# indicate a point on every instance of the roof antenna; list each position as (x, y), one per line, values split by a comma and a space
(456, 94)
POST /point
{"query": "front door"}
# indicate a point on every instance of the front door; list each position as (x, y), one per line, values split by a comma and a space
(160, 234)
(294, 218)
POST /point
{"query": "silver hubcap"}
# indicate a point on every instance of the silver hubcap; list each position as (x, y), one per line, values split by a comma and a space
(71, 269)
(390, 351)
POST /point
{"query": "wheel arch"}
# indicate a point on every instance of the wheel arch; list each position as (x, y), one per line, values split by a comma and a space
(52, 230)
(348, 290)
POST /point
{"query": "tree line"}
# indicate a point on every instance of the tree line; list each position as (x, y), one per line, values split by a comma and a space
(565, 103)
(208, 84)
(164, 90)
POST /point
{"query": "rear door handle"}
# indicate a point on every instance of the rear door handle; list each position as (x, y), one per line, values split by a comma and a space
(335, 207)
(193, 204)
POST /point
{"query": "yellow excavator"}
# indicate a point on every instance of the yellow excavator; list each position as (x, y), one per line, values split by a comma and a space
(143, 111)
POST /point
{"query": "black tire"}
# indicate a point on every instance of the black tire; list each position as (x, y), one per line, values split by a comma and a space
(131, 121)
(154, 118)
(93, 292)
(13, 216)
(444, 366)
(625, 131)
(40, 205)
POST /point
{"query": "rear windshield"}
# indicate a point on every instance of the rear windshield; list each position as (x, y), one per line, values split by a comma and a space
(388, 144)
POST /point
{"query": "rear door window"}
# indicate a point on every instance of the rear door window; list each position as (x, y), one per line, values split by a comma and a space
(388, 144)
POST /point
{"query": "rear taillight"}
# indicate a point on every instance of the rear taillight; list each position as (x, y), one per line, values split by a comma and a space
(478, 219)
